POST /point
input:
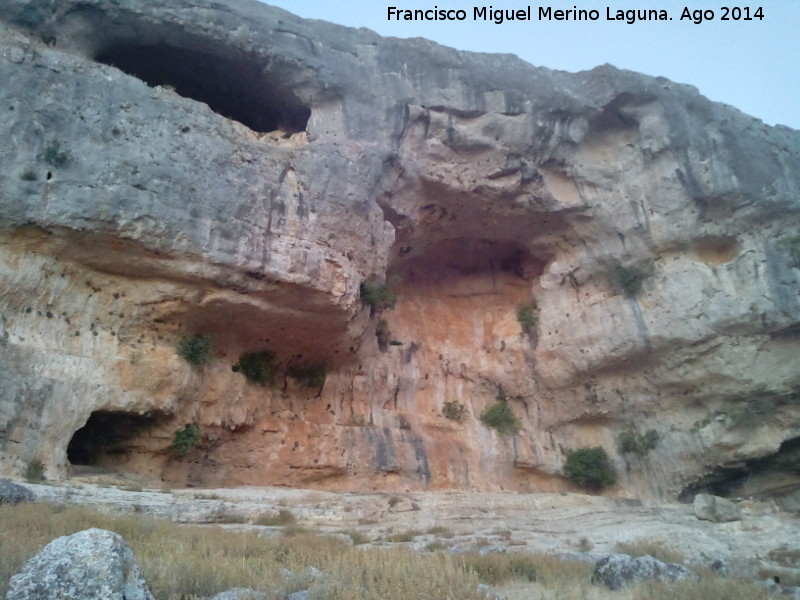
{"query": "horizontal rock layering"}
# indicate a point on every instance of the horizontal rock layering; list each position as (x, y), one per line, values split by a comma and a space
(605, 252)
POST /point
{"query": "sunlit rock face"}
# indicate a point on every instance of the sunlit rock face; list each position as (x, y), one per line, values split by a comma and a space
(179, 168)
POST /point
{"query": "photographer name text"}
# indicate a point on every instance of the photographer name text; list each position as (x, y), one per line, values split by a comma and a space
(498, 16)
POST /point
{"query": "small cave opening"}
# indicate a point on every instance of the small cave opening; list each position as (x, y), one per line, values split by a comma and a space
(108, 437)
(242, 90)
(772, 476)
(457, 258)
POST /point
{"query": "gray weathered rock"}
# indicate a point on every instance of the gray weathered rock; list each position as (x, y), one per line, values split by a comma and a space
(616, 570)
(714, 508)
(265, 166)
(12, 493)
(301, 595)
(93, 564)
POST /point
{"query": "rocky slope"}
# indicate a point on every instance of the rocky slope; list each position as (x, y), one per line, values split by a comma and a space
(227, 169)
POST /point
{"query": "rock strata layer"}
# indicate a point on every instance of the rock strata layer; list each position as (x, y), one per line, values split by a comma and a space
(606, 253)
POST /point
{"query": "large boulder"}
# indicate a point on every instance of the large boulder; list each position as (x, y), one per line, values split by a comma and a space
(714, 508)
(12, 493)
(93, 564)
(617, 570)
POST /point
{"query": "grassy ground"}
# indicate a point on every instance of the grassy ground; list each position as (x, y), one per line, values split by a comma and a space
(182, 562)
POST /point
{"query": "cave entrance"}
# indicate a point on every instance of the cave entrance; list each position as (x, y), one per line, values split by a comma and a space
(236, 89)
(772, 476)
(108, 437)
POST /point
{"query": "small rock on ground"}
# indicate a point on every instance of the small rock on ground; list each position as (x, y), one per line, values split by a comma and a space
(12, 493)
(616, 570)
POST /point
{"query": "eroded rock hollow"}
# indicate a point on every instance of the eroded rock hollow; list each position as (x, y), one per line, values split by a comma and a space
(602, 252)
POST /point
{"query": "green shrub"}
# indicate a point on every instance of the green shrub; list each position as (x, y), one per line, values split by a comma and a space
(628, 280)
(382, 334)
(453, 411)
(309, 377)
(792, 246)
(499, 416)
(29, 175)
(377, 294)
(34, 472)
(257, 367)
(53, 155)
(185, 439)
(632, 442)
(196, 350)
(526, 315)
(590, 468)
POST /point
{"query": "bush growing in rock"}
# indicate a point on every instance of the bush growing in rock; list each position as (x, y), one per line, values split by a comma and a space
(526, 315)
(791, 245)
(628, 279)
(632, 442)
(453, 410)
(196, 350)
(257, 367)
(34, 471)
(53, 154)
(309, 377)
(185, 439)
(499, 416)
(590, 468)
(377, 295)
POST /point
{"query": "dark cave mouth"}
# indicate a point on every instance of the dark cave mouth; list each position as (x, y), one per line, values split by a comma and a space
(240, 90)
(780, 473)
(108, 435)
(455, 258)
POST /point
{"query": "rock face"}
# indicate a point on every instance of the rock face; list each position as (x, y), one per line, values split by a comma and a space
(89, 565)
(246, 186)
(617, 570)
(714, 508)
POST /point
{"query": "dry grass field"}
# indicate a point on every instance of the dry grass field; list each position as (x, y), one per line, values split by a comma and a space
(188, 561)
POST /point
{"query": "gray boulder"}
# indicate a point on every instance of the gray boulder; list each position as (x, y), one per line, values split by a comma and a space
(240, 594)
(93, 564)
(714, 508)
(11, 493)
(617, 570)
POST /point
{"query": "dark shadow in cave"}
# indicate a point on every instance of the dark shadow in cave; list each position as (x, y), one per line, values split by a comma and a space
(105, 435)
(731, 481)
(463, 257)
(236, 89)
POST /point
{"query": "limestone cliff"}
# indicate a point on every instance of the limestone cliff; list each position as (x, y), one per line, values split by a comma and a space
(176, 168)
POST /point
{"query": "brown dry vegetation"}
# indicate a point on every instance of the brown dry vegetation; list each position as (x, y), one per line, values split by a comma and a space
(180, 561)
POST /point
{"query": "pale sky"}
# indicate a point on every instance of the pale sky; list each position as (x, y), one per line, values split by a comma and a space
(752, 65)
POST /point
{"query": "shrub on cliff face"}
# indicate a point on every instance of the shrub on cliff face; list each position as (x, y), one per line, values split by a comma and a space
(526, 315)
(590, 468)
(499, 416)
(791, 244)
(632, 442)
(257, 367)
(628, 279)
(185, 439)
(53, 154)
(378, 295)
(309, 377)
(196, 350)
